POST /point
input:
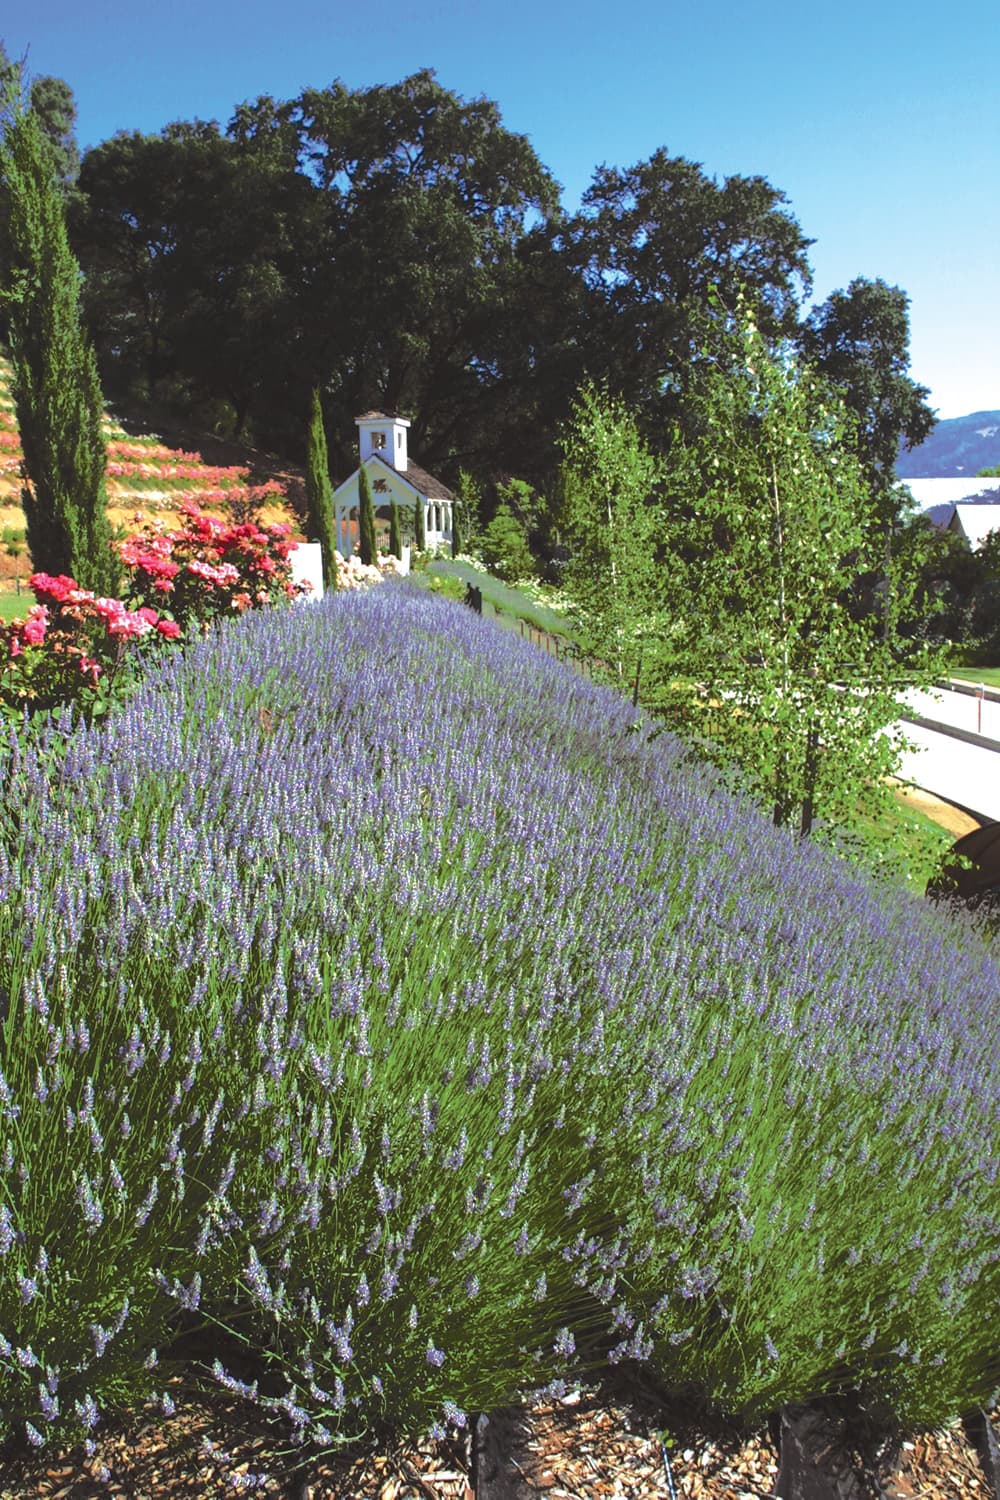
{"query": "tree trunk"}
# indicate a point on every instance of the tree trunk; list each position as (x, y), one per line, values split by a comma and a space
(809, 782)
(638, 673)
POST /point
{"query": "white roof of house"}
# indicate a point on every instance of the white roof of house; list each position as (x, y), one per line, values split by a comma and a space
(977, 521)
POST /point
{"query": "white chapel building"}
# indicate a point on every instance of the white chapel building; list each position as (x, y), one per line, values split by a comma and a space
(394, 476)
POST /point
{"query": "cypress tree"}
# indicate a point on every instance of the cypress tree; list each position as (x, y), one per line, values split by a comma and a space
(419, 530)
(366, 518)
(319, 493)
(395, 535)
(57, 394)
(456, 528)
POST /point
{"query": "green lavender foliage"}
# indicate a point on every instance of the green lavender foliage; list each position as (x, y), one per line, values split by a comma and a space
(366, 518)
(56, 389)
(319, 492)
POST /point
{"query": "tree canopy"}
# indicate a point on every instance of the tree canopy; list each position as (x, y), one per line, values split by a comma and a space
(859, 339)
(195, 251)
(54, 108)
(611, 518)
(400, 248)
(650, 243)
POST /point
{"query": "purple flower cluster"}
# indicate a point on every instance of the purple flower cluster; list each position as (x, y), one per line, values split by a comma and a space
(377, 978)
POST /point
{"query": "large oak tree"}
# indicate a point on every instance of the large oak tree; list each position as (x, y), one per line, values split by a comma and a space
(652, 242)
(859, 339)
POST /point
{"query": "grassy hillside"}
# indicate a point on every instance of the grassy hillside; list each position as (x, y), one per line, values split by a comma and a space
(144, 475)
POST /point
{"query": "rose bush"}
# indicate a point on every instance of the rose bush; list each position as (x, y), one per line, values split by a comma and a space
(73, 646)
(207, 567)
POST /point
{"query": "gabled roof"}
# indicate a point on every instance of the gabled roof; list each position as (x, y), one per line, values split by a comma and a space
(420, 480)
(416, 479)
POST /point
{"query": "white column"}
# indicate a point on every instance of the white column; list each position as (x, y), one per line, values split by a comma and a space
(344, 530)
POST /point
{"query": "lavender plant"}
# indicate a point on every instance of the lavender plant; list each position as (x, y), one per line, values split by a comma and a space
(379, 991)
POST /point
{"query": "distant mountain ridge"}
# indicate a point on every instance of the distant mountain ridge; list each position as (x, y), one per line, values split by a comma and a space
(957, 448)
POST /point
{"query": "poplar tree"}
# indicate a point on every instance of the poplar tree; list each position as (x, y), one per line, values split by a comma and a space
(366, 519)
(419, 529)
(769, 523)
(395, 532)
(610, 480)
(319, 493)
(57, 394)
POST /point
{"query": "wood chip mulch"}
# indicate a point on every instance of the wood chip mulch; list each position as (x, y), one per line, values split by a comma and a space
(616, 1440)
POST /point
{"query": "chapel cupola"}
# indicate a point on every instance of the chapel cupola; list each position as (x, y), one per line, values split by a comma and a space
(383, 436)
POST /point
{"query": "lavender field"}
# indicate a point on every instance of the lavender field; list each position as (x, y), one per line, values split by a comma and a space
(382, 1000)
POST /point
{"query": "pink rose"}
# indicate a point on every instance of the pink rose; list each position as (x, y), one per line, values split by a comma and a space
(43, 585)
(34, 628)
(109, 609)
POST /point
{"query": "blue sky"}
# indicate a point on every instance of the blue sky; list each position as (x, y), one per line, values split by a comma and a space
(880, 120)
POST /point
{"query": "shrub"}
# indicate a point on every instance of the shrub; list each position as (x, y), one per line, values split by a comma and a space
(319, 492)
(442, 1042)
(55, 383)
(504, 548)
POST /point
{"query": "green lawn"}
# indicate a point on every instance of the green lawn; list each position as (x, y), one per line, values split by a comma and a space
(904, 844)
(988, 675)
(504, 600)
(12, 604)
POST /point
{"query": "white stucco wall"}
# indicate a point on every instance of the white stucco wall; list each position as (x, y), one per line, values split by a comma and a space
(307, 567)
(437, 513)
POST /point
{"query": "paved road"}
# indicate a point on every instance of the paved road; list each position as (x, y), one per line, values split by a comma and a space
(962, 773)
(958, 709)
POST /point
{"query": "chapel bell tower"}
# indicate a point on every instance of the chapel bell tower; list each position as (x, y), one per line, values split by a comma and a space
(383, 436)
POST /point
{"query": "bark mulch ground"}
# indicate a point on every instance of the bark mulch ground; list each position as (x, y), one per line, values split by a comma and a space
(618, 1439)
